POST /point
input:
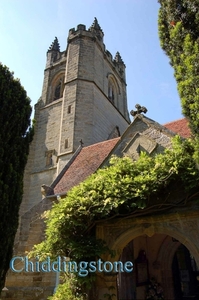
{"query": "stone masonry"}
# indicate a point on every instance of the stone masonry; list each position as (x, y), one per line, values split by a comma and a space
(83, 99)
(83, 112)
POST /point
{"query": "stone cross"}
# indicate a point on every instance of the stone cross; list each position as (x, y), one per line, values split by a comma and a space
(140, 109)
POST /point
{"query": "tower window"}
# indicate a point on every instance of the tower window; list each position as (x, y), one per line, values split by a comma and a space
(57, 94)
(66, 143)
(58, 89)
(49, 158)
(111, 92)
(69, 109)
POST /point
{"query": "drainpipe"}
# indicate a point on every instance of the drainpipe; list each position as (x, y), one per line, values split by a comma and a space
(56, 281)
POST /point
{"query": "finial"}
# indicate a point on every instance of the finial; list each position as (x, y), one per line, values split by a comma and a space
(118, 58)
(140, 109)
(95, 25)
(81, 143)
(55, 45)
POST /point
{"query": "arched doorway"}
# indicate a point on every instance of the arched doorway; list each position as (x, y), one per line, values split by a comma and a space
(167, 267)
(185, 272)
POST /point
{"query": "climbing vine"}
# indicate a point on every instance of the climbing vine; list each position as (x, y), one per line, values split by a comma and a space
(125, 189)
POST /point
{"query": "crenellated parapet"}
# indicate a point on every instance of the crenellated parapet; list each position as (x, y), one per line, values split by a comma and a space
(95, 33)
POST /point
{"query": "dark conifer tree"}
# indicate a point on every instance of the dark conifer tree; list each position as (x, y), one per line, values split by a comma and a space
(15, 137)
(179, 38)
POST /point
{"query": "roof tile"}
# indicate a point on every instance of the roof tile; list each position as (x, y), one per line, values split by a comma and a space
(180, 127)
(86, 163)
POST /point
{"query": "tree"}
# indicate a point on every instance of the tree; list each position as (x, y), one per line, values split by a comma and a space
(15, 137)
(179, 38)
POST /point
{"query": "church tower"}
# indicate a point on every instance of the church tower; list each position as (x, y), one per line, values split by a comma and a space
(83, 99)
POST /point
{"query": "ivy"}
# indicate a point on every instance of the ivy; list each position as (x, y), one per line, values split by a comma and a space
(68, 290)
(125, 189)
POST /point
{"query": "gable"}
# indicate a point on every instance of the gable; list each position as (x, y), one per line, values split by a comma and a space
(139, 143)
(144, 135)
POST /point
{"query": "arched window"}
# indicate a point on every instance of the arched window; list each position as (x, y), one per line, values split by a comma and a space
(111, 91)
(49, 157)
(58, 88)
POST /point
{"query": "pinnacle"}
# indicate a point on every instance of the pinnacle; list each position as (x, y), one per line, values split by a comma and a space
(95, 25)
(118, 58)
(55, 45)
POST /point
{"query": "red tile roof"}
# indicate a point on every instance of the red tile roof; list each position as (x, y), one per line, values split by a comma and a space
(180, 127)
(89, 159)
(86, 163)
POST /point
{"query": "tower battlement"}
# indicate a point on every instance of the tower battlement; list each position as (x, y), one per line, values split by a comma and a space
(95, 33)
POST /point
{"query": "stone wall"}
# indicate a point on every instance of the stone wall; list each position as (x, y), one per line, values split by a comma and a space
(183, 226)
(29, 285)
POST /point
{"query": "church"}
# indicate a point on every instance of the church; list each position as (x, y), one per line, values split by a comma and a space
(82, 120)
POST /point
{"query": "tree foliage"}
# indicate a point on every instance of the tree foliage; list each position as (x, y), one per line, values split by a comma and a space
(124, 189)
(68, 290)
(15, 137)
(179, 38)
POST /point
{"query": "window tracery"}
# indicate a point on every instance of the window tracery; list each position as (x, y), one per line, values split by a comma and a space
(58, 88)
(111, 92)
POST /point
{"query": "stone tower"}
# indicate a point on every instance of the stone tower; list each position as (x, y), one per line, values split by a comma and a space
(83, 99)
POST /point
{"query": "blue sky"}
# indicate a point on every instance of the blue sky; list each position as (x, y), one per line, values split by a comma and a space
(28, 27)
